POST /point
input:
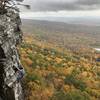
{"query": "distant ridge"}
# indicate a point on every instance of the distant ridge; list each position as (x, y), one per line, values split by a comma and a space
(89, 21)
(63, 34)
(68, 27)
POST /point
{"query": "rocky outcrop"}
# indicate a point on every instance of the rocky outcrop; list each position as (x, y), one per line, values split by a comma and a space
(11, 70)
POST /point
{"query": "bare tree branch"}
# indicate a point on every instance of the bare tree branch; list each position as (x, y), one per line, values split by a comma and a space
(11, 4)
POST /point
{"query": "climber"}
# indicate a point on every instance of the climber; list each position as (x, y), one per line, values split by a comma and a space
(20, 73)
(98, 59)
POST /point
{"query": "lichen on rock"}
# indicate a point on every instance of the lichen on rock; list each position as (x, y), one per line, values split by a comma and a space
(11, 70)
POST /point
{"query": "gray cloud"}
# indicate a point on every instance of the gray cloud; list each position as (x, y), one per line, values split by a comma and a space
(88, 2)
(56, 5)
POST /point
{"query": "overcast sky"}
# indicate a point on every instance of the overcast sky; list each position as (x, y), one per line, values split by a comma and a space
(62, 8)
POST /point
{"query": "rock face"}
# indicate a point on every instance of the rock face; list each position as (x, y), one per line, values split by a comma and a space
(11, 70)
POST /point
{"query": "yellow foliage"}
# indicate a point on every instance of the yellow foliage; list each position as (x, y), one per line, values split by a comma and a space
(84, 74)
(28, 61)
(49, 59)
(65, 71)
(66, 88)
(28, 39)
(49, 92)
(58, 60)
(51, 78)
(29, 51)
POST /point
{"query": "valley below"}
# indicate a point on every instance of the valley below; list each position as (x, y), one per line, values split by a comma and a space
(64, 35)
(60, 61)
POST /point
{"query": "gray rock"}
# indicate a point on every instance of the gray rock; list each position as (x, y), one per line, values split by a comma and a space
(11, 70)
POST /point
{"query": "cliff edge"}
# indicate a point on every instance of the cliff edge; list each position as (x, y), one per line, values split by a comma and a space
(11, 70)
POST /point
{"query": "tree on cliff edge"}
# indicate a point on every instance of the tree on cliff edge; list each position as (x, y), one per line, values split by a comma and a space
(10, 4)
